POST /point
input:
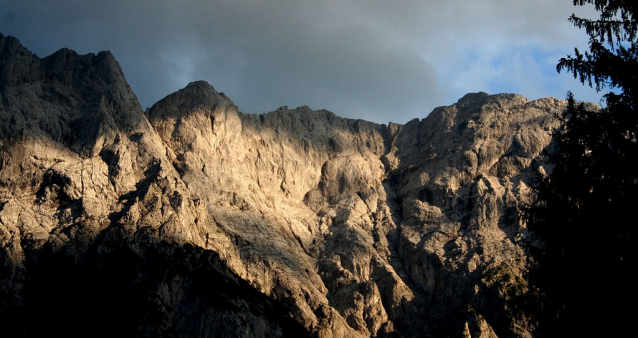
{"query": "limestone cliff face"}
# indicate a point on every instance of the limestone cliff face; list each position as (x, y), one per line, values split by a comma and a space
(194, 219)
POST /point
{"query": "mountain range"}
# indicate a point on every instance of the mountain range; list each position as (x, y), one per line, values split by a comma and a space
(194, 219)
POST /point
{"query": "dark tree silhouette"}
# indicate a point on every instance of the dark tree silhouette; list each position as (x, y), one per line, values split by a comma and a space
(586, 208)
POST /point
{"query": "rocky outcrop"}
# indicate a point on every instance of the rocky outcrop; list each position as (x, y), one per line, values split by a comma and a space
(201, 220)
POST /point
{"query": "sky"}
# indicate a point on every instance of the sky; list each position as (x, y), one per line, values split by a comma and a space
(377, 60)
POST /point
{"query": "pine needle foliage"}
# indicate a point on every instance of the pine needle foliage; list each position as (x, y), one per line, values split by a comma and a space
(586, 208)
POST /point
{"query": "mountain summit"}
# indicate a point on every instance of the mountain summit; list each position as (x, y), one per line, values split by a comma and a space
(194, 219)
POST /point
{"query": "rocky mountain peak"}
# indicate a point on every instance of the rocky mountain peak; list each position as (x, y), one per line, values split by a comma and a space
(469, 98)
(198, 95)
(85, 99)
(193, 219)
(9, 45)
(73, 69)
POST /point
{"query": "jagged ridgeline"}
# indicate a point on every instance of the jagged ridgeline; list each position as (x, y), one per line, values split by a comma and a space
(194, 219)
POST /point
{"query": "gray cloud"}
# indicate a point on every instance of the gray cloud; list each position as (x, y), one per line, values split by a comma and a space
(376, 60)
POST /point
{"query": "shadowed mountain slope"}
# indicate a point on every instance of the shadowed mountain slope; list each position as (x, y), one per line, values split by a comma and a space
(193, 219)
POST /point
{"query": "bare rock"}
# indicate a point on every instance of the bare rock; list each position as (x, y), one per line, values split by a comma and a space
(291, 222)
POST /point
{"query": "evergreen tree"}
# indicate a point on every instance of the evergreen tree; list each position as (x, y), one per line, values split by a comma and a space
(586, 209)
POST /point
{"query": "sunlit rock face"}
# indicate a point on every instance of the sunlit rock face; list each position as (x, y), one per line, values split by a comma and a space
(193, 219)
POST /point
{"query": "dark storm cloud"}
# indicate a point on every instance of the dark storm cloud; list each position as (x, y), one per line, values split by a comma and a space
(377, 60)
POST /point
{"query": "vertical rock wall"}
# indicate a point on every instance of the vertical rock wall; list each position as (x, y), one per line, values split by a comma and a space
(295, 221)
